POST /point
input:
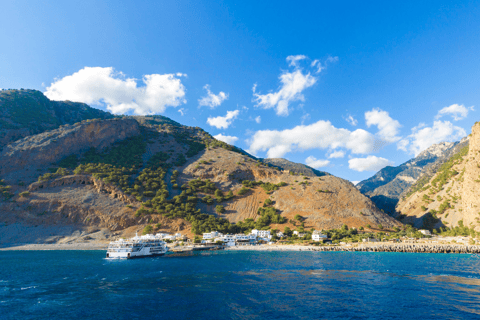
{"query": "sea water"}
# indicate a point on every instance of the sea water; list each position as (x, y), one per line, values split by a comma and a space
(239, 285)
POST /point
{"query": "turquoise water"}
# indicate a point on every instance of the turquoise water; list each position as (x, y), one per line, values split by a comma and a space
(239, 285)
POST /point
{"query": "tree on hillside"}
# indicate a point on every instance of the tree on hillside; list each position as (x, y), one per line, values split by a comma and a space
(219, 209)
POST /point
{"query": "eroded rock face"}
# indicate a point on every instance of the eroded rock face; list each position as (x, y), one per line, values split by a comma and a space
(99, 186)
(39, 151)
(471, 183)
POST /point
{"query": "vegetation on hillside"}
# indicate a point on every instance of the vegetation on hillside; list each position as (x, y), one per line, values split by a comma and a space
(5, 190)
(444, 174)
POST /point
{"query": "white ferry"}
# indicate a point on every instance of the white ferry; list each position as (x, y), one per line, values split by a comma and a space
(137, 247)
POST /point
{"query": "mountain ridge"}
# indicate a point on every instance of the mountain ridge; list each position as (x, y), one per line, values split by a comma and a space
(127, 173)
(387, 186)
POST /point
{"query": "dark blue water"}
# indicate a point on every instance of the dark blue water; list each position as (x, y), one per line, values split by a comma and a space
(239, 285)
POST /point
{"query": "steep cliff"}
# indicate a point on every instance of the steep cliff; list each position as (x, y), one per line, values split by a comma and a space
(446, 194)
(471, 182)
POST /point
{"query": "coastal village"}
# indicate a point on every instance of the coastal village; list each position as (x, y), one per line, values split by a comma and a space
(318, 240)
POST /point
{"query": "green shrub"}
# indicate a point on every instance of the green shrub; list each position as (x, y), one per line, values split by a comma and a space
(59, 173)
(243, 191)
(219, 209)
(148, 229)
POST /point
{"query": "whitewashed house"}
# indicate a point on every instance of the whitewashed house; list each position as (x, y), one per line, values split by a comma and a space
(425, 232)
(280, 234)
(170, 237)
(299, 234)
(318, 236)
(262, 234)
(212, 235)
(244, 239)
(228, 240)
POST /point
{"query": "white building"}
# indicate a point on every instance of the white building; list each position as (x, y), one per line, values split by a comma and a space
(171, 237)
(280, 234)
(212, 235)
(299, 234)
(425, 232)
(262, 234)
(166, 236)
(242, 237)
(318, 236)
(227, 239)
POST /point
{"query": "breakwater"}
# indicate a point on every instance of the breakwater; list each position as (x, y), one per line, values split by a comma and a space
(384, 247)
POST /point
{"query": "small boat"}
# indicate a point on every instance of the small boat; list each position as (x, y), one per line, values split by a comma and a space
(137, 247)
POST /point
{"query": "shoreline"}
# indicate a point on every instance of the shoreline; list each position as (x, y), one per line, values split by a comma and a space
(56, 246)
(373, 247)
(385, 247)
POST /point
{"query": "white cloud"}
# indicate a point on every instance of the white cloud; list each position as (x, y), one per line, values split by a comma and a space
(320, 135)
(321, 66)
(293, 60)
(332, 59)
(227, 139)
(370, 163)
(305, 117)
(388, 127)
(337, 154)
(258, 119)
(316, 163)
(458, 112)
(350, 119)
(293, 84)
(212, 100)
(97, 85)
(182, 111)
(423, 137)
(223, 122)
(402, 144)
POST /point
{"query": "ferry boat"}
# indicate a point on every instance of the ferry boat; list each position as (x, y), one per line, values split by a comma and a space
(137, 247)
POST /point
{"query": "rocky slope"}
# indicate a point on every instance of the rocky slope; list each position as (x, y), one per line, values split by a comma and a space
(105, 178)
(447, 192)
(28, 112)
(33, 154)
(386, 186)
(293, 167)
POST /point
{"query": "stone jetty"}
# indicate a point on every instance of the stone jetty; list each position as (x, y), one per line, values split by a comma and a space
(384, 247)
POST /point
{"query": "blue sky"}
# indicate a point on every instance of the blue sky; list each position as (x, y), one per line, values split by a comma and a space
(347, 87)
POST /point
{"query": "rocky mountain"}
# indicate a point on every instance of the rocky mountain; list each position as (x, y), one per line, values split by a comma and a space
(28, 112)
(446, 194)
(293, 167)
(111, 177)
(387, 185)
